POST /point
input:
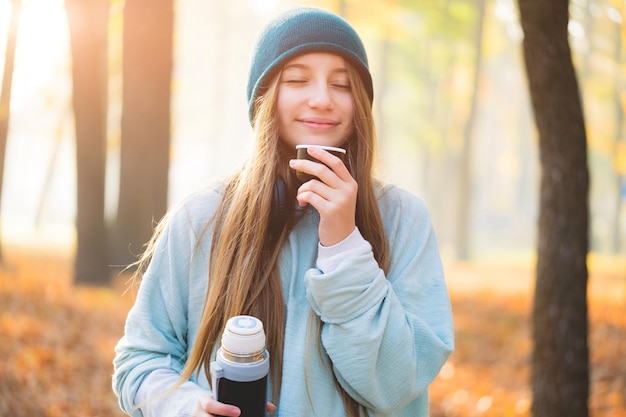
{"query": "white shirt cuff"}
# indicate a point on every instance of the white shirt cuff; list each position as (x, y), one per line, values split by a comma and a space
(156, 399)
(329, 257)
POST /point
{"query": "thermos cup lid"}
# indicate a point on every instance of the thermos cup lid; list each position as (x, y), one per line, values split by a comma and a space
(243, 335)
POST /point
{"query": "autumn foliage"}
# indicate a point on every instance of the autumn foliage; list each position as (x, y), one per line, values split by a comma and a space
(57, 340)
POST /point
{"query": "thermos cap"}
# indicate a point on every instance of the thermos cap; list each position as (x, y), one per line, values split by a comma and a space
(243, 335)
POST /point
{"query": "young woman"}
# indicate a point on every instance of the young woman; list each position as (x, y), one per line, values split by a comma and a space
(343, 270)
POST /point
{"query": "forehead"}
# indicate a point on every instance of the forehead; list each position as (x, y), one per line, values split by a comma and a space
(317, 59)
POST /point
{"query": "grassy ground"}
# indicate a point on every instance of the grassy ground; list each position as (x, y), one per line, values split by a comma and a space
(57, 341)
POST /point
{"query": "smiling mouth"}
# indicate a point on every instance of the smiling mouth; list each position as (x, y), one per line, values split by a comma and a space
(319, 123)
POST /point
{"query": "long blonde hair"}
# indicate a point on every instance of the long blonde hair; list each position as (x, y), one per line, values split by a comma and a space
(244, 276)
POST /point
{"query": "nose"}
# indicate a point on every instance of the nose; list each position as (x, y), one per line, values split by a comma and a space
(321, 96)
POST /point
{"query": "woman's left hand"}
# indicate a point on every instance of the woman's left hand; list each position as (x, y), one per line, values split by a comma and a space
(333, 195)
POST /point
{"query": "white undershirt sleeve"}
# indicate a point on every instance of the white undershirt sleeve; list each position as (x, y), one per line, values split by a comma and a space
(156, 399)
(329, 257)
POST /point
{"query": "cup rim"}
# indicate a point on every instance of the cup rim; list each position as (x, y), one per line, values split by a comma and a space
(326, 148)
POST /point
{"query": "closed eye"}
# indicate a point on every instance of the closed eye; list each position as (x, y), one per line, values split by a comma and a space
(295, 81)
(342, 86)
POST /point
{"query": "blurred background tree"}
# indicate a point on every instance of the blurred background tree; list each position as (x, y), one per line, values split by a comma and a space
(145, 125)
(88, 28)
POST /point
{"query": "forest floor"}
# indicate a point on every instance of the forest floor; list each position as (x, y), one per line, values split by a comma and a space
(57, 340)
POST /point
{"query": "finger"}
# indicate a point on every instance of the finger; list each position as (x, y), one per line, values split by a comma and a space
(271, 407)
(331, 161)
(214, 407)
(344, 193)
(306, 166)
(316, 200)
(317, 188)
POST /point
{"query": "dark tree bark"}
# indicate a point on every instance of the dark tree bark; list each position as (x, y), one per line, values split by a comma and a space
(5, 93)
(88, 23)
(144, 165)
(560, 359)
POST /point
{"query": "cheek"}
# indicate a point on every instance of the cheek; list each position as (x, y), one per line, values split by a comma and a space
(349, 112)
(286, 97)
(285, 105)
(280, 106)
(347, 105)
(282, 114)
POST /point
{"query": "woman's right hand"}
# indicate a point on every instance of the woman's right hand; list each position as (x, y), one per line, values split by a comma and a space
(208, 407)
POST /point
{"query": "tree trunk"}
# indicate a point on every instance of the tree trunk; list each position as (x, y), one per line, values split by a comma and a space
(560, 359)
(88, 23)
(144, 162)
(5, 93)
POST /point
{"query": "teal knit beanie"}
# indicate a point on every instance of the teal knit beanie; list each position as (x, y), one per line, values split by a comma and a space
(299, 31)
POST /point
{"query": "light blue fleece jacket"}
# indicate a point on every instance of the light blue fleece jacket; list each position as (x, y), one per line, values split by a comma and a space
(385, 337)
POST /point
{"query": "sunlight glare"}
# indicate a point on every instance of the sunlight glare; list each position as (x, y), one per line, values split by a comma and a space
(42, 40)
(5, 15)
(460, 397)
(447, 371)
(505, 11)
(484, 403)
(576, 29)
(38, 181)
(614, 15)
(263, 5)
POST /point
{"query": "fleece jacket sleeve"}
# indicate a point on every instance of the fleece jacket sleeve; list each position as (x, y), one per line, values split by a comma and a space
(387, 335)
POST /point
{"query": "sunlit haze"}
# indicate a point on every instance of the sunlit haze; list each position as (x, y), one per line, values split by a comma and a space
(423, 76)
